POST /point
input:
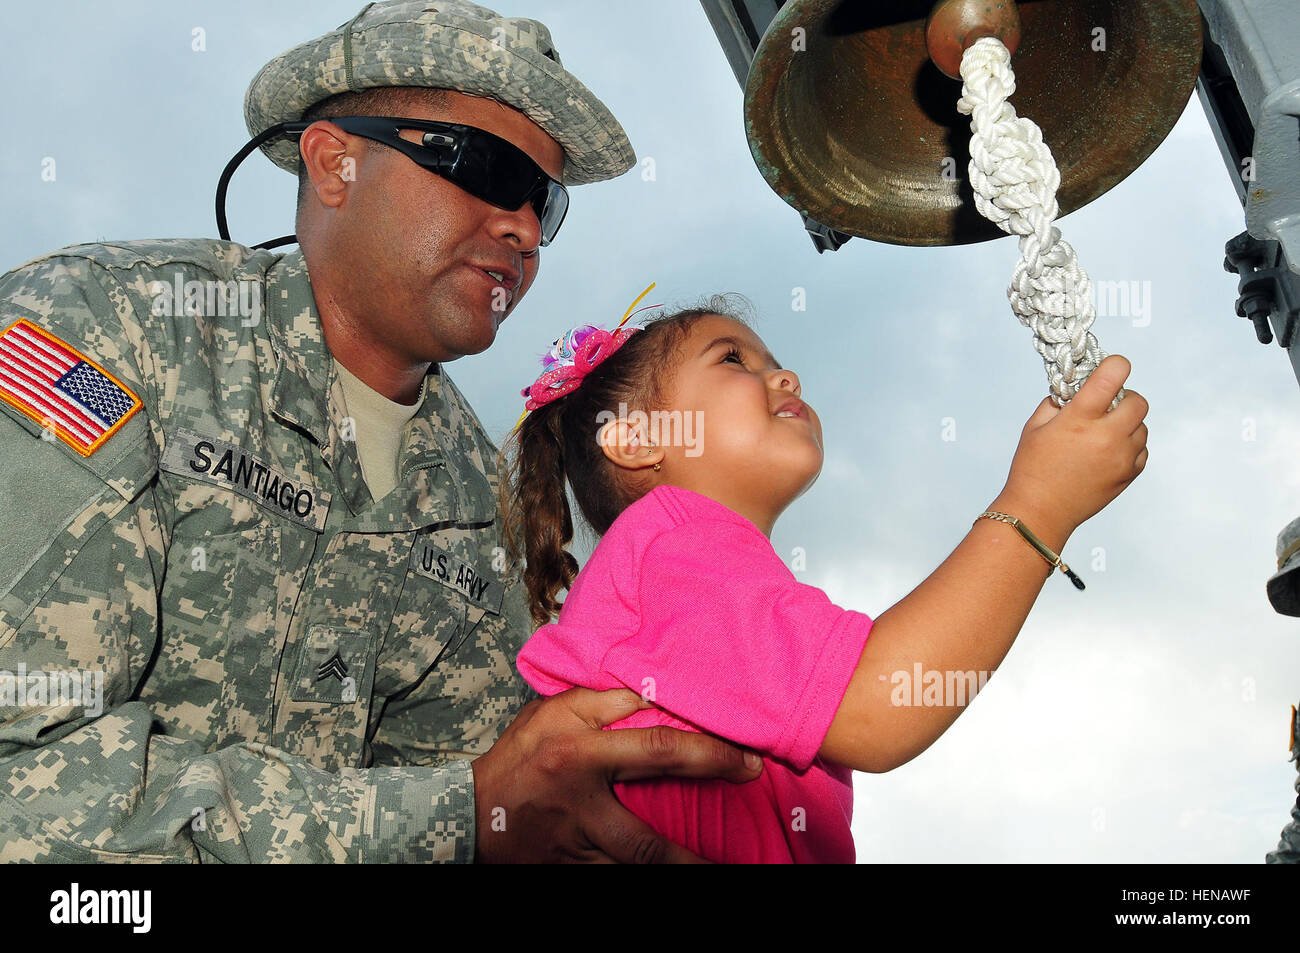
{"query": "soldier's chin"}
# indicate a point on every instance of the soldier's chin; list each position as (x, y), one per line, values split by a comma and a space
(479, 335)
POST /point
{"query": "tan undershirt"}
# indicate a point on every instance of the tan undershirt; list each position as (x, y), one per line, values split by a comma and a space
(380, 424)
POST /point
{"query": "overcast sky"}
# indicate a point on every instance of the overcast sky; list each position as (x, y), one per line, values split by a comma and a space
(1141, 720)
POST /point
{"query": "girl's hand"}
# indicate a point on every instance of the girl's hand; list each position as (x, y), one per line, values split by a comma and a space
(1072, 461)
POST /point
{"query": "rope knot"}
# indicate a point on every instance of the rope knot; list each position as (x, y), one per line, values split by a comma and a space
(1015, 180)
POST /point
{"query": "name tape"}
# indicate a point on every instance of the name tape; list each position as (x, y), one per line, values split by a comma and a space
(193, 455)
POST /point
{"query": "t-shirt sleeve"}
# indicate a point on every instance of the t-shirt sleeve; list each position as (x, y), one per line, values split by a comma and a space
(731, 642)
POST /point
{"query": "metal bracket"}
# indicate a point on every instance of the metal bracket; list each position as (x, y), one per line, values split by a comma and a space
(1268, 291)
(824, 237)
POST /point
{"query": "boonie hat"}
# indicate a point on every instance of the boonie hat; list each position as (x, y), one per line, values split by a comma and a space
(1284, 586)
(442, 44)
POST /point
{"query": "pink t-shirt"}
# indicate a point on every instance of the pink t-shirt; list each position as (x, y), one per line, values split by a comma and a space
(685, 601)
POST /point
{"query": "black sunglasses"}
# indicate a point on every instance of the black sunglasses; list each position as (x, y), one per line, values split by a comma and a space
(486, 166)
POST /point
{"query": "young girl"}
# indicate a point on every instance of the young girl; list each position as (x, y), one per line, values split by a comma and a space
(682, 442)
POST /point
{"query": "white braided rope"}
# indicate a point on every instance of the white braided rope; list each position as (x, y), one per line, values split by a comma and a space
(1015, 181)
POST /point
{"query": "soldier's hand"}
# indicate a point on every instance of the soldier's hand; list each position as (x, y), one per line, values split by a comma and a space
(547, 781)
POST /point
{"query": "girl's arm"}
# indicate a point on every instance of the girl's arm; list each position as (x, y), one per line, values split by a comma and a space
(960, 622)
(963, 618)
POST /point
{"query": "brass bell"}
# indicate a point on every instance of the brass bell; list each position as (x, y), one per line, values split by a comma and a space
(851, 121)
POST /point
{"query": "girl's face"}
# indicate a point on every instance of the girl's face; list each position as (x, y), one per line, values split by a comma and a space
(758, 445)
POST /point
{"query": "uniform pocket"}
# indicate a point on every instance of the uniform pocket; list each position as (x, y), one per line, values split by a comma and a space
(221, 612)
(214, 522)
(448, 589)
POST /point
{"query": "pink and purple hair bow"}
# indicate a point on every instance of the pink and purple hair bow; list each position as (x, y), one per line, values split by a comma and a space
(573, 356)
(570, 359)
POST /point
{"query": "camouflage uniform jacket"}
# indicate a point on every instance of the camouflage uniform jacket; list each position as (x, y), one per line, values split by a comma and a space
(291, 671)
(1288, 846)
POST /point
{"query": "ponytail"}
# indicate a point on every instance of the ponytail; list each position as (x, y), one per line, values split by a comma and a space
(538, 524)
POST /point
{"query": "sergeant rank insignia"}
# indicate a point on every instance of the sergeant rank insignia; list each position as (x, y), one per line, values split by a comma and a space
(333, 667)
(61, 389)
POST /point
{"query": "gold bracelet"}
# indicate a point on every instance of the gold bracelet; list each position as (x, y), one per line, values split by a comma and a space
(1034, 541)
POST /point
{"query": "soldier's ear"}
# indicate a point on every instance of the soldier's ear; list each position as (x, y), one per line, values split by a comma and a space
(330, 156)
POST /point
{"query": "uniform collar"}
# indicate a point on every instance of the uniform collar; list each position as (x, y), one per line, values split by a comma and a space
(442, 435)
(300, 393)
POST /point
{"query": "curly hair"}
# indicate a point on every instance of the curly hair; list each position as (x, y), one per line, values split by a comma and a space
(557, 442)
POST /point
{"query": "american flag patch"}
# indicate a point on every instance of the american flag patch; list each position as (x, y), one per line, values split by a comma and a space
(58, 386)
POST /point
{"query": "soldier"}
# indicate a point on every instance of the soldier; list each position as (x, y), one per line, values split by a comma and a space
(252, 601)
(1283, 589)
(1288, 845)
